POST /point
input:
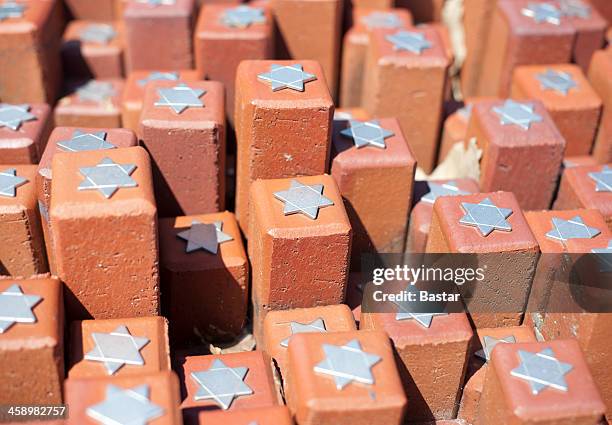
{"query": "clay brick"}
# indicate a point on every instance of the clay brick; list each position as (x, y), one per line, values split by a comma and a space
(102, 10)
(277, 415)
(187, 149)
(101, 110)
(590, 29)
(599, 76)
(25, 144)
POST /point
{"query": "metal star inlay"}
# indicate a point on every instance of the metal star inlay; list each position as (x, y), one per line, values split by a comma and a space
(489, 343)
(542, 370)
(486, 216)
(12, 116)
(543, 12)
(423, 319)
(206, 236)
(107, 177)
(574, 9)
(602, 179)
(411, 41)
(558, 81)
(131, 406)
(604, 255)
(96, 91)
(287, 77)
(381, 20)
(16, 307)
(366, 133)
(9, 182)
(316, 326)
(98, 33)
(243, 17)
(574, 228)
(180, 97)
(441, 189)
(347, 363)
(11, 9)
(82, 141)
(303, 198)
(117, 348)
(158, 76)
(221, 384)
(520, 114)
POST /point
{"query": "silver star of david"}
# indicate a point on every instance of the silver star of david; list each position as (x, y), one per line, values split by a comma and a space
(486, 216)
(575, 9)
(221, 384)
(423, 319)
(489, 343)
(559, 81)
(381, 20)
(347, 363)
(574, 228)
(9, 182)
(517, 113)
(96, 91)
(131, 406)
(157, 2)
(98, 33)
(542, 370)
(603, 179)
(411, 41)
(107, 177)
(16, 307)
(303, 198)
(180, 97)
(604, 256)
(243, 17)
(543, 12)
(82, 141)
(10, 9)
(12, 116)
(116, 349)
(286, 77)
(317, 325)
(159, 76)
(444, 189)
(366, 133)
(206, 236)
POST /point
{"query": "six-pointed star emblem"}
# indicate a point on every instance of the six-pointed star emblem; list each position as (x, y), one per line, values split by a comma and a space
(12, 116)
(206, 236)
(347, 363)
(11, 9)
(543, 12)
(366, 133)
(159, 76)
(221, 384)
(243, 16)
(411, 41)
(602, 179)
(441, 189)
(130, 406)
(96, 91)
(517, 113)
(542, 370)
(107, 177)
(116, 349)
(317, 325)
(287, 77)
(98, 33)
(303, 198)
(489, 343)
(16, 307)
(574, 228)
(9, 182)
(180, 97)
(559, 81)
(82, 141)
(486, 216)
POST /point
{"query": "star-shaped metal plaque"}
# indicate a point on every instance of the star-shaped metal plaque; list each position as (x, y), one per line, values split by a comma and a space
(158, 76)
(543, 12)
(542, 370)
(9, 182)
(489, 343)
(98, 33)
(575, 9)
(16, 307)
(366, 133)
(131, 406)
(517, 113)
(303, 198)
(96, 91)
(559, 81)
(243, 16)
(221, 384)
(180, 97)
(486, 216)
(411, 41)
(117, 348)
(602, 179)
(11, 9)
(574, 228)
(423, 319)
(316, 326)
(604, 255)
(287, 77)
(441, 189)
(107, 177)
(206, 236)
(82, 141)
(381, 20)
(12, 116)
(347, 363)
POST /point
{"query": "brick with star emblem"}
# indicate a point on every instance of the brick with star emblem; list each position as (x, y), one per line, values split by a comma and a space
(24, 129)
(92, 103)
